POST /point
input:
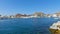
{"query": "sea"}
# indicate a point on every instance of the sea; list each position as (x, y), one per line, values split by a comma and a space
(26, 25)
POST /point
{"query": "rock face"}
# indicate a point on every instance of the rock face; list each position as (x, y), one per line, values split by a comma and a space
(55, 28)
(20, 15)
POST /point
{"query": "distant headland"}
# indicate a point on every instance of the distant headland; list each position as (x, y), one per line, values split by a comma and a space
(34, 15)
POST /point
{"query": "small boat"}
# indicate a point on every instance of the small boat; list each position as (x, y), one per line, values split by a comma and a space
(55, 28)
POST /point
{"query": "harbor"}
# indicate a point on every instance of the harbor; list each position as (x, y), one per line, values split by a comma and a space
(26, 26)
(29, 16)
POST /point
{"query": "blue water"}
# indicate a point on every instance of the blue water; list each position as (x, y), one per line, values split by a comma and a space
(26, 26)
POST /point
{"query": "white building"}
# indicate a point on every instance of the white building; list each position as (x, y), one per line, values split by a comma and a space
(54, 15)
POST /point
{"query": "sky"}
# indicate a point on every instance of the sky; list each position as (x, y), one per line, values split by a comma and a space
(11, 7)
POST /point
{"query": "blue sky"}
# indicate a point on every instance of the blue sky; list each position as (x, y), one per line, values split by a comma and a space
(9, 7)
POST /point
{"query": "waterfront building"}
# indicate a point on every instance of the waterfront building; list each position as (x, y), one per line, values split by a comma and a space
(39, 14)
(4, 17)
(56, 14)
(11, 16)
(48, 15)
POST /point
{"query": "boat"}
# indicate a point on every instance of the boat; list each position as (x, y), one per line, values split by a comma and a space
(55, 28)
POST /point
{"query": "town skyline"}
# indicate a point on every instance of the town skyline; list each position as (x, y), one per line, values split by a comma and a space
(34, 15)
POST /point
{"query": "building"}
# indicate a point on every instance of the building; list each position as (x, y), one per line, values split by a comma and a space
(48, 15)
(11, 16)
(39, 14)
(56, 14)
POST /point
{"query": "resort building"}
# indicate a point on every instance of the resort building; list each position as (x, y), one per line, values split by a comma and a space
(56, 14)
(11, 16)
(48, 15)
(38, 14)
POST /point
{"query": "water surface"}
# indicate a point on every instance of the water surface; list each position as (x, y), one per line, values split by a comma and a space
(26, 26)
